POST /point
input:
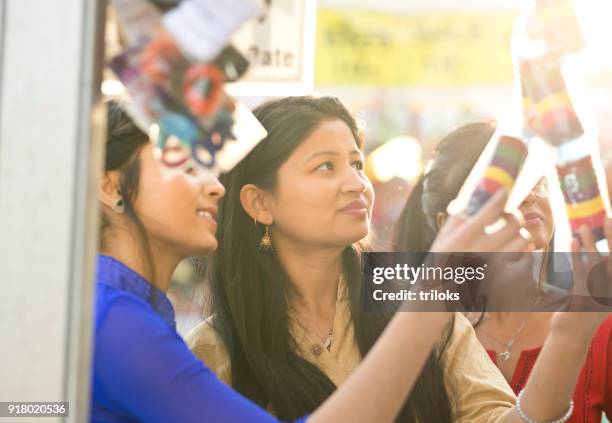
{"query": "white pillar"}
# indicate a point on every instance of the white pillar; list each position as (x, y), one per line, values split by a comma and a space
(51, 140)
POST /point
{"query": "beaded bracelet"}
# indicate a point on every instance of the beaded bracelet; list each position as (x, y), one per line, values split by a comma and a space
(526, 419)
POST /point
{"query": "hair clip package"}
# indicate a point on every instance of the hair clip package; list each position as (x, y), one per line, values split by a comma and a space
(508, 162)
(547, 105)
(183, 105)
(583, 200)
(549, 111)
(502, 171)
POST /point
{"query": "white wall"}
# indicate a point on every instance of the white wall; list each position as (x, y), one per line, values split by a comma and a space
(47, 215)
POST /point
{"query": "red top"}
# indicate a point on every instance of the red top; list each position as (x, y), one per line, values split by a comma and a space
(593, 393)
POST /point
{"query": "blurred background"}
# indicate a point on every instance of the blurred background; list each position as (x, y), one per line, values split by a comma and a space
(412, 71)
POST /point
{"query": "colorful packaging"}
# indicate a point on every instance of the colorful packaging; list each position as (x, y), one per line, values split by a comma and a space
(547, 106)
(583, 200)
(183, 105)
(501, 173)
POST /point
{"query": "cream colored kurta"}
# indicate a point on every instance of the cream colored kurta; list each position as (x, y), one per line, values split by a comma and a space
(480, 392)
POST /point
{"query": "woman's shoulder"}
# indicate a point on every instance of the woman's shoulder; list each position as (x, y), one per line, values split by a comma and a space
(458, 338)
(206, 344)
(127, 306)
(462, 325)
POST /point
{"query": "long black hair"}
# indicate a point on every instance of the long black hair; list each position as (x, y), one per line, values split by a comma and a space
(124, 142)
(248, 285)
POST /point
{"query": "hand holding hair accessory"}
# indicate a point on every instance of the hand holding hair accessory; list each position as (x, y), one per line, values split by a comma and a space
(508, 160)
(183, 106)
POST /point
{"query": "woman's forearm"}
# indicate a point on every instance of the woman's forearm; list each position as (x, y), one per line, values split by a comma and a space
(550, 387)
(376, 391)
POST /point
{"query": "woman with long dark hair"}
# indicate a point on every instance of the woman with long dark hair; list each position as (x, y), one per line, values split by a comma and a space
(152, 218)
(288, 325)
(513, 340)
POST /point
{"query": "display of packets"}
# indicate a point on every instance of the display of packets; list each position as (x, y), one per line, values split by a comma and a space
(583, 200)
(501, 173)
(197, 123)
(555, 22)
(549, 111)
(193, 122)
(547, 105)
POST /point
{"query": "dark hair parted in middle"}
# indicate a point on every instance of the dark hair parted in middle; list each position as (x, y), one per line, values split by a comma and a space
(249, 286)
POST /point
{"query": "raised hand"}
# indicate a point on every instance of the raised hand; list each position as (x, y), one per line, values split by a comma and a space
(592, 290)
(467, 234)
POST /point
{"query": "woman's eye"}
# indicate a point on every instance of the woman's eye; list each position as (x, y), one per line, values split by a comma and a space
(326, 166)
(358, 164)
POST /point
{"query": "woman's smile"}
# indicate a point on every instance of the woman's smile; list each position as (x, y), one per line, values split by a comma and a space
(208, 214)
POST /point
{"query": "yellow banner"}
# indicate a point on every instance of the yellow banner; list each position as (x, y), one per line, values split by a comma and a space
(371, 48)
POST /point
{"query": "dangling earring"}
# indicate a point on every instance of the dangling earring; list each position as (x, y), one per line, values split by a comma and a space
(118, 206)
(266, 242)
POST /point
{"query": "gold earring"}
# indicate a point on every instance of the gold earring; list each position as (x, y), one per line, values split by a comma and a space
(255, 221)
(266, 242)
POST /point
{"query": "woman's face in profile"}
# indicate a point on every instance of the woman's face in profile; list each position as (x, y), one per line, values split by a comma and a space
(178, 208)
(322, 195)
(538, 214)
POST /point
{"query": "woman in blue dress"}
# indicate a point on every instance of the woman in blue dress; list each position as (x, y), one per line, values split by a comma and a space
(152, 218)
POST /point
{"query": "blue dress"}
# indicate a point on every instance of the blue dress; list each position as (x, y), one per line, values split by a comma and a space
(143, 370)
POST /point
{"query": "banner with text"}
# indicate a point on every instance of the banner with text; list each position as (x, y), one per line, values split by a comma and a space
(441, 48)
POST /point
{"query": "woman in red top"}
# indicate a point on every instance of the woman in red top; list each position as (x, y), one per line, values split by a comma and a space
(512, 339)
(593, 393)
